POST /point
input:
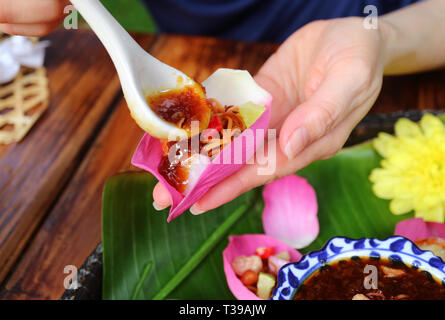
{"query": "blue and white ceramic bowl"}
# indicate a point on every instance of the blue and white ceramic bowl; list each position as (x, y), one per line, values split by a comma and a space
(292, 275)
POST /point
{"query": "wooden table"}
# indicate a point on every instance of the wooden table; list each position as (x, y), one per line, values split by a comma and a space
(51, 182)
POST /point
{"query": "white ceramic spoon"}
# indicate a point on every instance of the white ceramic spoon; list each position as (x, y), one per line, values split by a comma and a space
(140, 73)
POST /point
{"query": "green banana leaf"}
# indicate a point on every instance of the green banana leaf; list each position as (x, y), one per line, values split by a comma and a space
(147, 258)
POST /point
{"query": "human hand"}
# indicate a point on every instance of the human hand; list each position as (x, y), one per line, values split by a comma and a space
(31, 17)
(324, 79)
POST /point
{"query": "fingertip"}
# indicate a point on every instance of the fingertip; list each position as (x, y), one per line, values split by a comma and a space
(294, 135)
(161, 196)
(158, 207)
(196, 210)
(283, 139)
(297, 142)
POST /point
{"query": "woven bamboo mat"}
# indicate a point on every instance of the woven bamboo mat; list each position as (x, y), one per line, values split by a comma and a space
(22, 102)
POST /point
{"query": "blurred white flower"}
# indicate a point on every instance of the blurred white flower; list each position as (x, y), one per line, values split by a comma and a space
(20, 51)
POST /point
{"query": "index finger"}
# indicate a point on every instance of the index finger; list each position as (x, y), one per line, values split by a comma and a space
(31, 11)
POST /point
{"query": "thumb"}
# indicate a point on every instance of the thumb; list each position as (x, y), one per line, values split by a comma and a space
(331, 103)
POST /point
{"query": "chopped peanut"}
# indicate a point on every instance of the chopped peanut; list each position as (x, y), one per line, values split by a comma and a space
(392, 273)
(249, 278)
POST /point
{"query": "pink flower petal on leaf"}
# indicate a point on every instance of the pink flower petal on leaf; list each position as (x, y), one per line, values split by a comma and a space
(246, 245)
(416, 228)
(229, 87)
(290, 211)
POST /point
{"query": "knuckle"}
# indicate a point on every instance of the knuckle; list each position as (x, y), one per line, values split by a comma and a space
(362, 70)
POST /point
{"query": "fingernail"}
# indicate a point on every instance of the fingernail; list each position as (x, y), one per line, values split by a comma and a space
(196, 210)
(158, 207)
(297, 142)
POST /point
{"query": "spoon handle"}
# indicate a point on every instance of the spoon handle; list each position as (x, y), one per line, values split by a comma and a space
(122, 48)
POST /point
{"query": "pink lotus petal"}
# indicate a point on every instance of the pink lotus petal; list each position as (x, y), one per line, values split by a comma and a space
(416, 228)
(246, 245)
(290, 211)
(148, 155)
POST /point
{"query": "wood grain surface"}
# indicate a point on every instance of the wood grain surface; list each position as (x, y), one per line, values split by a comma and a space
(33, 174)
(51, 183)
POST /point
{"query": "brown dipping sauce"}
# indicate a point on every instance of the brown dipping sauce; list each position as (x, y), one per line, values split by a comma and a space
(344, 280)
(175, 173)
(181, 107)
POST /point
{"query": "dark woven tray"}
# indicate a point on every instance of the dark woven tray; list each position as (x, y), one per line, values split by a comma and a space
(90, 274)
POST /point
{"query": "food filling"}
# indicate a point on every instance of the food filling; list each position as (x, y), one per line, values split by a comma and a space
(211, 127)
(182, 106)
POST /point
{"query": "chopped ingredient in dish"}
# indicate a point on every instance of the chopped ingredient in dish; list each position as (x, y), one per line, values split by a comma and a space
(275, 264)
(284, 255)
(215, 123)
(242, 263)
(360, 296)
(435, 245)
(258, 272)
(264, 253)
(249, 278)
(251, 112)
(265, 285)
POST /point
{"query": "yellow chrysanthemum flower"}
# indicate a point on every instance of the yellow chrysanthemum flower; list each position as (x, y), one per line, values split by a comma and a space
(413, 169)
